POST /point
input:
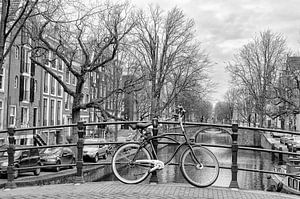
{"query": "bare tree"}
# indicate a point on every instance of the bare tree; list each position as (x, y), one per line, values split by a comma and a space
(85, 41)
(286, 101)
(256, 66)
(223, 112)
(169, 57)
(197, 108)
(13, 16)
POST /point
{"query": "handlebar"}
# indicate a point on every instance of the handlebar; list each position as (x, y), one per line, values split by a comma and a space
(180, 112)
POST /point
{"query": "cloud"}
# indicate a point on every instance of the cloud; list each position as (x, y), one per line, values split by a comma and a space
(225, 26)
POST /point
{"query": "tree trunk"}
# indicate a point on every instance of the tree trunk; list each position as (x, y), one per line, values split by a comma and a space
(75, 119)
(2, 31)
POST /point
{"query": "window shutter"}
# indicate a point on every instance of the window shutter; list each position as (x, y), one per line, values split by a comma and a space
(21, 96)
(31, 89)
(32, 69)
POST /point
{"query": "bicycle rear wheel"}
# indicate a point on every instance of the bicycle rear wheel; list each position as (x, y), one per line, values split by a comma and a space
(125, 166)
(199, 175)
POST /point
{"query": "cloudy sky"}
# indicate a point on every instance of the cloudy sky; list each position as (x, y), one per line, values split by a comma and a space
(224, 26)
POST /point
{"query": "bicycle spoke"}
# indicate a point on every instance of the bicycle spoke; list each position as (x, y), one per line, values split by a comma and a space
(200, 170)
(125, 167)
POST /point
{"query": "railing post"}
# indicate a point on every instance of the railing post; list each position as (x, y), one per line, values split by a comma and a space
(234, 150)
(154, 178)
(11, 168)
(79, 163)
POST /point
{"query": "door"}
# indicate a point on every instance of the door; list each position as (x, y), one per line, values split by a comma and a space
(34, 157)
(67, 155)
(24, 159)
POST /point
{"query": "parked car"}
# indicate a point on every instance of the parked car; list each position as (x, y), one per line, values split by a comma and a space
(276, 134)
(285, 139)
(57, 156)
(94, 152)
(22, 159)
(295, 143)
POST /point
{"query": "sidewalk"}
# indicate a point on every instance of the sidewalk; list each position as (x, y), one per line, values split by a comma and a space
(117, 190)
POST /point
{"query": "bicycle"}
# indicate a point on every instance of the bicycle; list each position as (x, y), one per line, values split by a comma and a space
(132, 162)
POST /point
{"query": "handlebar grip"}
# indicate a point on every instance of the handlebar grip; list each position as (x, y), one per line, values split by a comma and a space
(180, 110)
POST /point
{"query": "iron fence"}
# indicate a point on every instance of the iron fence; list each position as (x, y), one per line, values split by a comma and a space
(81, 130)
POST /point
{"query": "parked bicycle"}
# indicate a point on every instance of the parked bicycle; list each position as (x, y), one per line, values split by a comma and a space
(132, 162)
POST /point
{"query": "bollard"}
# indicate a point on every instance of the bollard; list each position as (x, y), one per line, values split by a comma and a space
(10, 168)
(79, 163)
(234, 149)
(280, 161)
(270, 185)
(154, 178)
(290, 149)
(273, 154)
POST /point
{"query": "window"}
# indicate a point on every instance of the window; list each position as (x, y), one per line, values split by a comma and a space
(45, 58)
(24, 116)
(58, 112)
(16, 81)
(2, 80)
(1, 115)
(46, 88)
(52, 84)
(66, 101)
(53, 60)
(24, 88)
(45, 112)
(87, 98)
(23, 141)
(73, 80)
(59, 87)
(35, 85)
(12, 115)
(26, 64)
(67, 76)
(59, 65)
(17, 52)
(52, 112)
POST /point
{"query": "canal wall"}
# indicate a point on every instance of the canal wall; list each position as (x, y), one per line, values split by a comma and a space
(268, 143)
(90, 174)
(249, 138)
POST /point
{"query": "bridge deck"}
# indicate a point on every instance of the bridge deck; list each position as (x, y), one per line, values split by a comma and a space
(118, 190)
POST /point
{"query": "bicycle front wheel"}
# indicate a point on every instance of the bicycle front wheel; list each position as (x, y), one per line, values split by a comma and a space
(203, 174)
(127, 163)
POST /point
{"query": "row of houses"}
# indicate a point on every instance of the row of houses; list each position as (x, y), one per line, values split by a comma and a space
(288, 110)
(30, 96)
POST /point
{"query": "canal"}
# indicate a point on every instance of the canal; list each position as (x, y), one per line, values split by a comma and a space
(246, 159)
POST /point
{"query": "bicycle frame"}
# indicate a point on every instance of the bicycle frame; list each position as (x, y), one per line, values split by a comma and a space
(149, 141)
(139, 159)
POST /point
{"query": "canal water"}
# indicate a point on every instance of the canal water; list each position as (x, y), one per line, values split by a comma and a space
(246, 159)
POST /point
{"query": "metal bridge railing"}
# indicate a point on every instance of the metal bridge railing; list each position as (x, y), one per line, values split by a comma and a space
(81, 130)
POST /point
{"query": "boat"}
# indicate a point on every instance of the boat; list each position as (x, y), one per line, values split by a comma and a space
(284, 183)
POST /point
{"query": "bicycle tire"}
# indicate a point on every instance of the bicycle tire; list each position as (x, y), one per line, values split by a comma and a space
(125, 169)
(193, 173)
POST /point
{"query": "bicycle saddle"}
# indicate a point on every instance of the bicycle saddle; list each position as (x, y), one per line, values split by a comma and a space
(140, 125)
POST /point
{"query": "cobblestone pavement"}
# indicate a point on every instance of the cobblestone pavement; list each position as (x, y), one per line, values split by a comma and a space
(116, 190)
